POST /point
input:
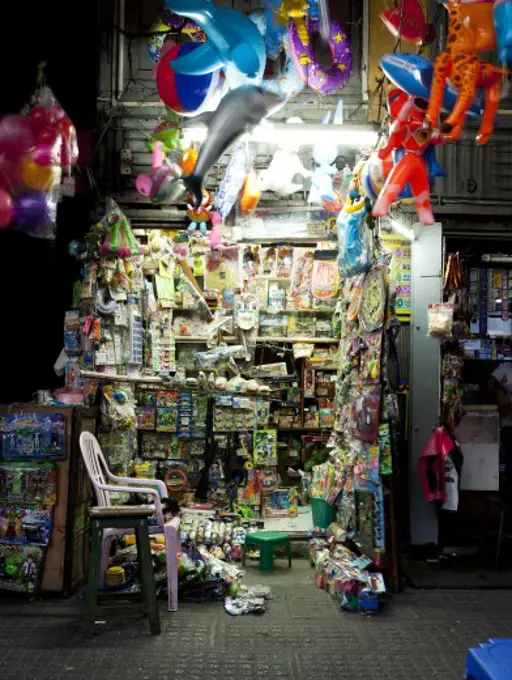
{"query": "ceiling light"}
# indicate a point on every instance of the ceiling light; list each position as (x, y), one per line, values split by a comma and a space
(354, 136)
(401, 229)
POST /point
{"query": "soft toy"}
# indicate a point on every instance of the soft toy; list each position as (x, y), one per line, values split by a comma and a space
(324, 155)
(284, 166)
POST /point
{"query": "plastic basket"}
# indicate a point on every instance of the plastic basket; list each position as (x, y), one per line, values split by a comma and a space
(323, 513)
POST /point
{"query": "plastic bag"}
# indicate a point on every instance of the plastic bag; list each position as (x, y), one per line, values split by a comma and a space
(354, 238)
(440, 319)
(36, 148)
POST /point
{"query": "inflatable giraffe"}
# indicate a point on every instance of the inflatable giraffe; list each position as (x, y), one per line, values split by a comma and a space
(471, 33)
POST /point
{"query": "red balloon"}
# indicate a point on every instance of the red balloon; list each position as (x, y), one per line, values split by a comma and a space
(40, 117)
(66, 128)
(15, 137)
(6, 208)
(48, 134)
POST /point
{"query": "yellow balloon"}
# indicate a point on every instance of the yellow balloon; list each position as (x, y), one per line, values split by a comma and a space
(39, 177)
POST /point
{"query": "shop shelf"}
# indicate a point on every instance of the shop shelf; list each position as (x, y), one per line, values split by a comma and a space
(317, 341)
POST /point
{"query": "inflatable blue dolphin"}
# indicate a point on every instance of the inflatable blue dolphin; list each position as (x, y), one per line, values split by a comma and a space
(233, 40)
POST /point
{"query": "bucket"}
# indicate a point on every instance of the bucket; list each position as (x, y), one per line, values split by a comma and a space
(323, 513)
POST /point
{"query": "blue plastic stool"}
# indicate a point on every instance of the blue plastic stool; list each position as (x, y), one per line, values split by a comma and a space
(490, 661)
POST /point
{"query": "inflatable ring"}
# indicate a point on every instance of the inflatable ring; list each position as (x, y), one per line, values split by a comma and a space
(288, 83)
(301, 48)
(175, 479)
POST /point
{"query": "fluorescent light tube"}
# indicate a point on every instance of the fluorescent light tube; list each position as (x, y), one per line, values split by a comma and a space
(354, 136)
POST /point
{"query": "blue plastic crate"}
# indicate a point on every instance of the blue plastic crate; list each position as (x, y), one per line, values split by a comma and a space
(490, 661)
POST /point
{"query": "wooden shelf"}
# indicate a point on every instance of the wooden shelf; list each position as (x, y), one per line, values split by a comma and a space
(312, 341)
(202, 338)
(323, 310)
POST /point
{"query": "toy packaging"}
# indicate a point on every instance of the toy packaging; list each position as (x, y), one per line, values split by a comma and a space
(20, 525)
(28, 483)
(21, 567)
(265, 447)
(33, 436)
(279, 503)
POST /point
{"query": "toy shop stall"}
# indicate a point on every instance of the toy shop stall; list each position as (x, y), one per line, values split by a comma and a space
(464, 466)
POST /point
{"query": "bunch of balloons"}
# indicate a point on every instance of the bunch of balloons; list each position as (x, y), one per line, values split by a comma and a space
(35, 149)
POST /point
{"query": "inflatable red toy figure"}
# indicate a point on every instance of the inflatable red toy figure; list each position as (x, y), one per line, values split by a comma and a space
(407, 21)
(407, 132)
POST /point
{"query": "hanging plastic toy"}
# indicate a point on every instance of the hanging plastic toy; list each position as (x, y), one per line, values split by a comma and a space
(312, 73)
(119, 239)
(234, 43)
(285, 166)
(470, 34)
(354, 238)
(202, 215)
(186, 95)
(168, 133)
(324, 155)
(251, 194)
(233, 180)
(408, 132)
(163, 184)
(407, 21)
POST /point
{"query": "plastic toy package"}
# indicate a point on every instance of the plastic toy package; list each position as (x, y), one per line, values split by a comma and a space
(354, 239)
(37, 148)
(22, 525)
(20, 567)
(28, 483)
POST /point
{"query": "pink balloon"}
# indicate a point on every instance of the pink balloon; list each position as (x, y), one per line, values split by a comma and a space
(43, 154)
(6, 208)
(16, 136)
(143, 184)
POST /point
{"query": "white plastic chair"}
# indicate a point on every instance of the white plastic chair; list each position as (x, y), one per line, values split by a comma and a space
(99, 472)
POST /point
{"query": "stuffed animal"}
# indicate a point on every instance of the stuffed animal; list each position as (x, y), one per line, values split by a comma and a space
(284, 166)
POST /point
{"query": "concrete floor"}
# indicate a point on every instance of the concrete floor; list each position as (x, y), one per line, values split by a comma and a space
(302, 636)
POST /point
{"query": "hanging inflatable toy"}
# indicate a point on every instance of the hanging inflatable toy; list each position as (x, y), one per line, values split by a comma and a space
(324, 155)
(163, 183)
(240, 110)
(502, 11)
(119, 239)
(408, 132)
(407, 22)
(233, 180)
(188, 160)
(470, 34)
(354, 240)
(251, 194)
(234, 43)
(273, 35)
(374, 171)
(285, 166)
(186, 95)
(286, 83)
(413, 74)
(201, 215)
(301, 47)
(167, 134)
(166, 23)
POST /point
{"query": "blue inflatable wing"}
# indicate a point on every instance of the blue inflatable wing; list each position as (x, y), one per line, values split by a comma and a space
(233, 40)
(413, 74)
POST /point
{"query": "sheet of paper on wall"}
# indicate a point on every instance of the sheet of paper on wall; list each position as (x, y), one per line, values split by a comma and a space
(165, 288)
